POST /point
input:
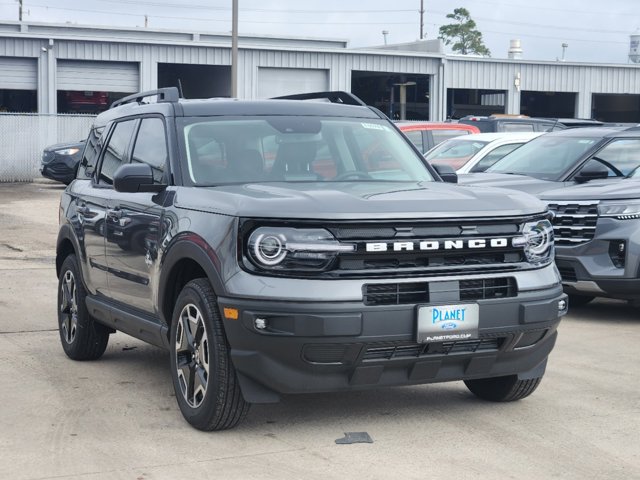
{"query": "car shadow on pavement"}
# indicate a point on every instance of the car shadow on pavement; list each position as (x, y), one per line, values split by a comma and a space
(606, 310)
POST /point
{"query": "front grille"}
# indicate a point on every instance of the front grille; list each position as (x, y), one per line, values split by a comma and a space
(485, 288)
(568, 273)
(396, 293)
(574, 222)
(389, 351)
(419, 292)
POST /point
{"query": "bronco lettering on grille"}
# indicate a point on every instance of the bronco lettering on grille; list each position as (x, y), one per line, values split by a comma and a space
(435, 245)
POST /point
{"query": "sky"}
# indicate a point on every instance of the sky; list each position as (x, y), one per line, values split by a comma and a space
(594, 31)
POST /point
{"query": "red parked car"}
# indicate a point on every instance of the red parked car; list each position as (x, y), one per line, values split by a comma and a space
(426, 135)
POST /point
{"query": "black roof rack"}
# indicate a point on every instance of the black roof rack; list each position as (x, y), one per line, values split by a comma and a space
(168, 94)
(334, 97)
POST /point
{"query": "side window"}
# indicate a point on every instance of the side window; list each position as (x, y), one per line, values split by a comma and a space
(516, 127)
(91, 153)
(416, 139)
(620, 156)
(151, 147)
(440, 136)
(115, 151)
(493, 156)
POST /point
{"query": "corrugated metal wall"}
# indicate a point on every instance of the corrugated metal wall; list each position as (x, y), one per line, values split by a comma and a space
(23, 137)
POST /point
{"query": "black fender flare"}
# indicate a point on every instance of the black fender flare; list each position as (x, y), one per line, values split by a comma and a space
(192, 247)
(66, 233)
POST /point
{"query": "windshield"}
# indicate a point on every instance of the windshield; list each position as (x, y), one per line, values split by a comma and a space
(454, 152)
(545, 157)
(297, 149)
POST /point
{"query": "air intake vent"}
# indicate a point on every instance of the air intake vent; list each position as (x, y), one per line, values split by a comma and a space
(484, 288)
(396, 293)
(388, 351)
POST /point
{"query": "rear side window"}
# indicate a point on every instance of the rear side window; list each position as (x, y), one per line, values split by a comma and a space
(416, 138)
(440, 136)
(516, 127)
(151, 147)
(91, 152)
(116, 151)
(493, 156)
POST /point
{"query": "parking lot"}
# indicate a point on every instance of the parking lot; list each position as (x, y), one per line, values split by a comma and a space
(118, 418)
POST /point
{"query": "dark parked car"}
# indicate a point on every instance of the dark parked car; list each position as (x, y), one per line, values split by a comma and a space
(511, 123)
(281, 246)
(60, 162)
(581, 174)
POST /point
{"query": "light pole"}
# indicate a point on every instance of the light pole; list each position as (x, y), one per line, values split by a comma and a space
(234, 49)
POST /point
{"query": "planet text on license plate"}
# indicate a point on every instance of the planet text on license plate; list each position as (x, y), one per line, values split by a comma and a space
(444, 323)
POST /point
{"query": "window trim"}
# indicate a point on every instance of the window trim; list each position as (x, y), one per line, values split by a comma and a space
(127, 153)
(166, 173)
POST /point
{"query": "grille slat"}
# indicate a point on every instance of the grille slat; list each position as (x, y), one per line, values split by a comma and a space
(574, 222)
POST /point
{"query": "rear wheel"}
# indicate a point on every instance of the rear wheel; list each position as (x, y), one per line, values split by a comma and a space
(204, 378)
(82, 338)
(503, 389)
(579, 300)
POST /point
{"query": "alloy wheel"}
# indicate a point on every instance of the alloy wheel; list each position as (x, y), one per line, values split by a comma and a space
(192, 355)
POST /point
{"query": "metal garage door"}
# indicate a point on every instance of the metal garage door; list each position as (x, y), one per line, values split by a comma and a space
(18, 73)
(273, 82)
(100, 76)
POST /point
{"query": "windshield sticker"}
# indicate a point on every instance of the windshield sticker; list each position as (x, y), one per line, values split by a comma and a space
(373, 126)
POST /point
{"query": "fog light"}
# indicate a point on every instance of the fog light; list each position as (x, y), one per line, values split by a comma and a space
(260, 323)
(562, 305)
(618, 252)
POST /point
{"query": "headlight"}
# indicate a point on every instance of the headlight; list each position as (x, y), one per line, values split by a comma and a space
(627, 210)
(537, 240)
(67, 151)
(302, 249)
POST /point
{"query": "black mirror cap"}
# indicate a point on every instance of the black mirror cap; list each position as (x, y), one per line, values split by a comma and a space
(135, 177)
(446, 173)
(591, 171)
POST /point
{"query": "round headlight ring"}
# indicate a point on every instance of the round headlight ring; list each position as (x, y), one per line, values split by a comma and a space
(269, 249)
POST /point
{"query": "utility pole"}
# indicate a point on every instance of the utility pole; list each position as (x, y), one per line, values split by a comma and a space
(421, 19)
(234, 50)
(19, 10)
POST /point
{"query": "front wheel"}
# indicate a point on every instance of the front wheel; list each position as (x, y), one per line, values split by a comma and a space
(82, 338)
(503, 389)
(204, 378)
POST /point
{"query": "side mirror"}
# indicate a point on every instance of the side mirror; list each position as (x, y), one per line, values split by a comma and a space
(446, 172)
(135, 177)
(593, 170)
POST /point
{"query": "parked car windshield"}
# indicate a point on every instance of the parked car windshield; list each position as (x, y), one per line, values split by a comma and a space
(455, 152)
(545, 157)
(297, 149)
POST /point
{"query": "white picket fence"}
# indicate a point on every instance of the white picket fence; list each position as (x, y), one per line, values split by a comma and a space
(23, 137)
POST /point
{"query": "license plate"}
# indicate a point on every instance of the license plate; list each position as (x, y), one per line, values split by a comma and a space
(444, 323)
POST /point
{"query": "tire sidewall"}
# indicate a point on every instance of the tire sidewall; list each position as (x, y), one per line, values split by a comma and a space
(71, 264)
(203, 413)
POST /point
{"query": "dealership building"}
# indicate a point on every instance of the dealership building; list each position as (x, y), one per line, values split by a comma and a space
(52, 68)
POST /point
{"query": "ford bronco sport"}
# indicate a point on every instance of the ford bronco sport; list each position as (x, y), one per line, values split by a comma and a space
(286, 246)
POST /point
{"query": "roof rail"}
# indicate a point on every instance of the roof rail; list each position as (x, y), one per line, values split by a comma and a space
(168, 94)
(334, 97)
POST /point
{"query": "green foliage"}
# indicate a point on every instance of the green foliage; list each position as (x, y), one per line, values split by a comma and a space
(463, 34)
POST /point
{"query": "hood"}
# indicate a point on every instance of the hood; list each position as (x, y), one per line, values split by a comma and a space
(357, 200)
(523, 183)
(613, 189)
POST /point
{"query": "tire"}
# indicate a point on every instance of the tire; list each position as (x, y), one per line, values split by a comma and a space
(503, 389)
(579, 300)
(204, 379)
(82, 338)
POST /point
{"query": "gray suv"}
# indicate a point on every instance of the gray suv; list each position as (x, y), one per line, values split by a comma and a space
(286, 246)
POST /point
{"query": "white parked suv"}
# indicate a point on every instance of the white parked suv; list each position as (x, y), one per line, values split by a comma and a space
(477, 152)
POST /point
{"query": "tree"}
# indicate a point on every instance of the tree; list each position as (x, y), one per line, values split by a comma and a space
(463, 34)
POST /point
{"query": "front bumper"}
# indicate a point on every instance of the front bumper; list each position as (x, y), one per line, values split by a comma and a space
(58, 168)
(333, 346)
(588, 268)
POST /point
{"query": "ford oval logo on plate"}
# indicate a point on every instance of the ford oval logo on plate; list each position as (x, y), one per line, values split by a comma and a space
(449, 326)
